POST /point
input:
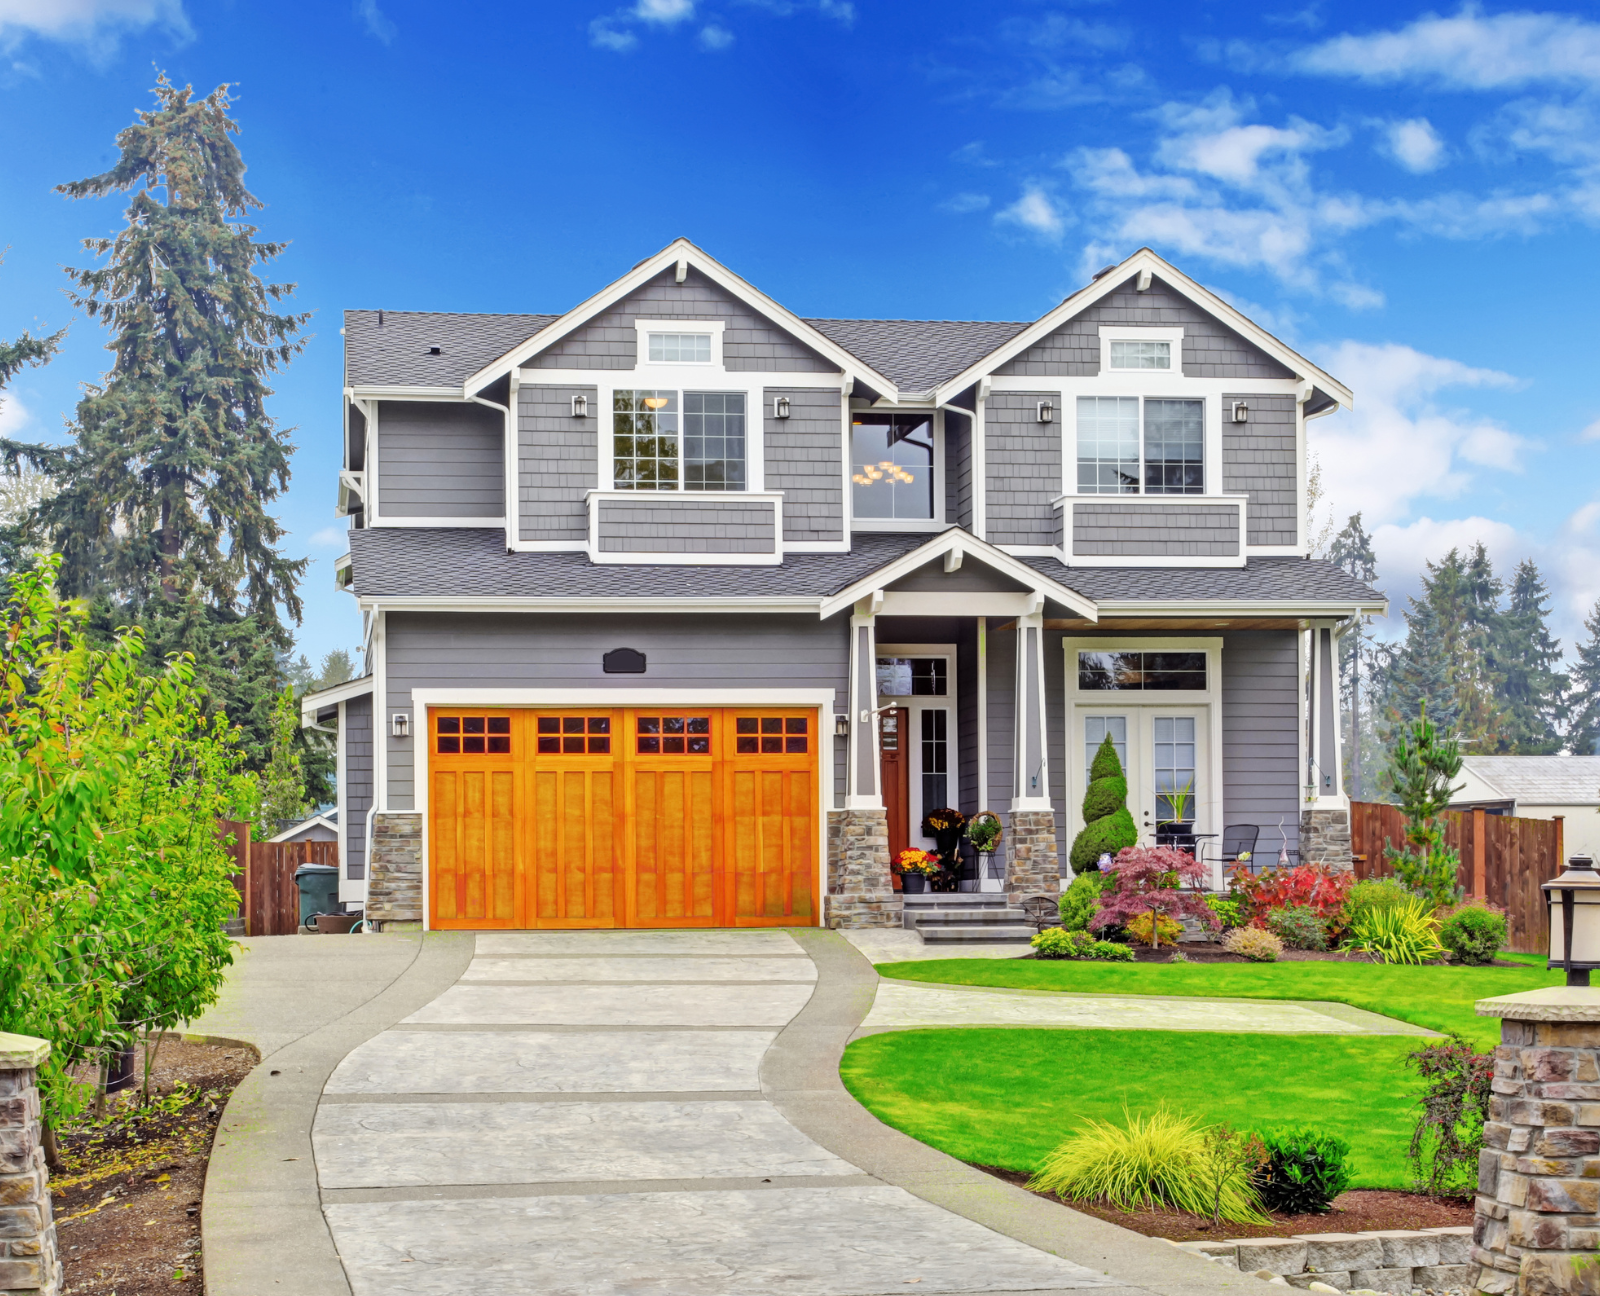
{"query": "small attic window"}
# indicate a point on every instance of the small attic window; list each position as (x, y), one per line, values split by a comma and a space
(435, 350)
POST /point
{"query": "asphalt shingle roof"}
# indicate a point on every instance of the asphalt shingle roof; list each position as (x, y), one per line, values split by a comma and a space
(1541, 780)
(396, 351)
(918, 354)
(416, 562)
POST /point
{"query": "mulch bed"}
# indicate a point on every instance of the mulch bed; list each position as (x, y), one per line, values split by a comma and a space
(1211, 952)
(127, 1204)
(1359, 1211)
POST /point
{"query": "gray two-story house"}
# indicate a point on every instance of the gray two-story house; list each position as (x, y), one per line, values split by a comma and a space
(681, 610)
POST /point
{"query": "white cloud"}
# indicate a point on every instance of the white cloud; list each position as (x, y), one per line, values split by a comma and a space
(713, 37)
(1403, 552)
(14, 415)
(1470, 51)
(1399, 445)
(604, 36)
(973, 155)
(667, 12)
(331, 538)
(963, 203)
(1591, 433)
(1034, 211)
(97, 23)
(1415, 145)
(377, 21)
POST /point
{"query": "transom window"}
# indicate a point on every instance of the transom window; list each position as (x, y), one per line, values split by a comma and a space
(786, 735)
(1141, 355)
(472, 735)
(891, 465)
(1141, 672)
(1114, 459)
(680, 348)
(673, 735)
(913, 676)
(660, 442)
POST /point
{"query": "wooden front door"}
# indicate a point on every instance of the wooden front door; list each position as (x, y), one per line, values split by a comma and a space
(894, 772)
(647, 817)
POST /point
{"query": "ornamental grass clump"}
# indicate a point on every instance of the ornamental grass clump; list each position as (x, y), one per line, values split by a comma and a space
(1254, 943)
(1404, 933)
(1163, 1160)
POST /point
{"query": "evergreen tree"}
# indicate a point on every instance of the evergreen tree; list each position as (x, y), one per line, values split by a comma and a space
(1107, 825)
(174, 459)
(26, 465)
(1583, 731)
(1419, 774)
(283, 788)
(1527, 658)
(1351, 552)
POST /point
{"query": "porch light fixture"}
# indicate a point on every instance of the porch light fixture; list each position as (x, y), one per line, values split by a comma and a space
(1241, 412)
(841, 725)
(400, 724)
(1047, 411)
(780, 407)
(1572, 911)
(580, 407)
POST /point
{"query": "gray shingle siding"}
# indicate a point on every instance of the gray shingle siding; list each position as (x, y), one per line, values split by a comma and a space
(1002, 703)
(1134, 530)
(441, 460)
(957, 467)
(488, 650)
(1258, 458)
(356, 795)
(557, 462)
(687, 526)
(1210, 348)
(1261, 734)
(749, 342)
(804, 458)
(1023, 469)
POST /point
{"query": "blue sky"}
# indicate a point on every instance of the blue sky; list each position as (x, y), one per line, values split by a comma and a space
(1410, 196)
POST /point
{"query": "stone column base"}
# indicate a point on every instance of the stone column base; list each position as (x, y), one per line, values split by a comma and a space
(1032, 865)
(29, 1260)
(394, 874)
(860, 892)
(1325, 838)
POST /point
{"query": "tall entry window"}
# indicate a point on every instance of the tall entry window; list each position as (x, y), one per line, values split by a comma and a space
(1173, 746)
(891, 466)
(668, 440)
(1132, 446)
(935, 759)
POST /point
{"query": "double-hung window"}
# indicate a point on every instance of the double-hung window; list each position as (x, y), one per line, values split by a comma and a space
(1131, 445)
(671, 440)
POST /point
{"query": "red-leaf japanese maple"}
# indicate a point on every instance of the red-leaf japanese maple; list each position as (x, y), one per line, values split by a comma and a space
(1146, 880)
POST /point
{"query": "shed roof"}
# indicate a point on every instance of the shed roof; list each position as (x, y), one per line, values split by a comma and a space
(1540, 780)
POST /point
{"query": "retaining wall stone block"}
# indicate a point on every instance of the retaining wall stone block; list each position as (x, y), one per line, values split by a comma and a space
(1279, 1255)
(1397, 1282)
(1342, 1251)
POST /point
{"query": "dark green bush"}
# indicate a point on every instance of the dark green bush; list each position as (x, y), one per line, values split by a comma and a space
(1081, 901)
(1298, 927)
(1303, 1172)
(1474, 934)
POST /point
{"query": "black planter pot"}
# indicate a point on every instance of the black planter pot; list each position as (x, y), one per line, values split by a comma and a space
(913, 883)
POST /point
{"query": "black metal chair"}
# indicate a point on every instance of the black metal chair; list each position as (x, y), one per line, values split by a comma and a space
(1237, 840)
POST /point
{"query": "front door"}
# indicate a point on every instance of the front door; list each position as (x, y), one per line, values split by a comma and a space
(918, 680)
(895, 776)
(1163, 751)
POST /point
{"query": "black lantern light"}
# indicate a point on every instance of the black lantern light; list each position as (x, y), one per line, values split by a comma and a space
(1572, 910)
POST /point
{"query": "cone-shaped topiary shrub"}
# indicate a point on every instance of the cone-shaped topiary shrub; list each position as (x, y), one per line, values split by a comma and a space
(1107, 825)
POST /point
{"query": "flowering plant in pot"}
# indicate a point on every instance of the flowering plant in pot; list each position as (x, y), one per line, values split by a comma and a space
(944, 825)
(915, 868)
(1148, 882)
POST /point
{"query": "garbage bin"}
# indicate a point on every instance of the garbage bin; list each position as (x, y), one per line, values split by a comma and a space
(319, 890)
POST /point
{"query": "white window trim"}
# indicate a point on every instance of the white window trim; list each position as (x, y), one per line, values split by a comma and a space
(673, 378)
(824, 700)
(934, 523)
(1110, 333)
(644, 327)
(1211, 434)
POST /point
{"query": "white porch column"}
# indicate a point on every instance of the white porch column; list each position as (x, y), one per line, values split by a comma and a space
(1325, 814)
(1031, 786)
(863, 790)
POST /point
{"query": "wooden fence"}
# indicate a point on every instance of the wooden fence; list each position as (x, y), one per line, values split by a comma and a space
(1504, 860)
(271, 898)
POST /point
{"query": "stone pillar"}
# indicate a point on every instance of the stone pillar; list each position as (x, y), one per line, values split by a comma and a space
(1538, 1203)
(29, 1261)
(1325, 837)
(1325, 817)
(1032, 867)
(394, 869)
(860, 892)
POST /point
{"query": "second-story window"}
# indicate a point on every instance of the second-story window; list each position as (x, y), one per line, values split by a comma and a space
(680, 348)
(667, 440)
(891, 466)
(1129, 446)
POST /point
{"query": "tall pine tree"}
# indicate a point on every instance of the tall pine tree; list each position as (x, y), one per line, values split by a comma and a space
(1527, 659)
(1583, 732)
(165, 488)
(1351, 552)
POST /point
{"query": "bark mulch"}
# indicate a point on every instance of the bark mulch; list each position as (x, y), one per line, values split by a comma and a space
(1211, 952)
(1358, 1211)
(127, 1201)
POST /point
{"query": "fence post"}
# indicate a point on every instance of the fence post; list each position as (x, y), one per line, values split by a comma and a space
(1561, 843)
(1479, 890)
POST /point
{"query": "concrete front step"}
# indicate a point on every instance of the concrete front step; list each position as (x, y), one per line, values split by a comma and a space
(976, 933)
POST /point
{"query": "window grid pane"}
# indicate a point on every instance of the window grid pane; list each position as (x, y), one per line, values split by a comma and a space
(1095, 729)
(680, 348)
(644, 430)
(1108, 445)
(1174, 748)
(713, 440)
(891, 465)
(1141, 355)
(935, 761)
(1174, 447)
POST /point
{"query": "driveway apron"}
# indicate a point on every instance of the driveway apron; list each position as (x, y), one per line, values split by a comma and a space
(582, 1112)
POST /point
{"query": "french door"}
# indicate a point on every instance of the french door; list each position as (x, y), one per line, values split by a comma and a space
(1165, 756)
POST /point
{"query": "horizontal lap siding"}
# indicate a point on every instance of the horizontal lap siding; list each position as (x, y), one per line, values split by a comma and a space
(1023, 469)
(1155, 531)
(557, 462)
(356, 796)
(440, 460)
(1210, 348)
(689, 526)
(804, 458)
(1258, 459)
(750, 342)
(488, 650)
(1261, 733)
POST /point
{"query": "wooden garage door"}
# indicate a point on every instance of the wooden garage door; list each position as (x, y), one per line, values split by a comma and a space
(649, 817)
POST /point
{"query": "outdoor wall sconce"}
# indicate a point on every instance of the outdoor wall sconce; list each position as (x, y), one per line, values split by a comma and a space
(841, 726)
(1574, 919)
(400, 724)
(780, 407)
(1241, 412)
(1047, 412)
(580, 407)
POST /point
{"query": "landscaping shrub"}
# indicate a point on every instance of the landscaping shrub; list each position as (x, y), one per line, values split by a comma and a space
(1403, 933)
(1108, 828)
(1321, 886)
(1057, 943)
(1254, 943)
(1455, 1104)
(1375, 893)
(1302, 1172)
(1167, 930)
(1230, 912)
(1145, 881)
(1298, 927)
(1420, 768)
(1474, 933)
(1081, 901)
(1159, 1160)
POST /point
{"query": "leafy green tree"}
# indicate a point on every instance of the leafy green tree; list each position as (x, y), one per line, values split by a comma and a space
(283, 784)
(165, 487)
(1420, 769)
(1107, 825)
(1583, 732)
(1352, 552)
(1527, 658)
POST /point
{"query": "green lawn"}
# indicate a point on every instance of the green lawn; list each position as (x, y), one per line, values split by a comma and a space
(1006, 1096)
